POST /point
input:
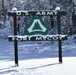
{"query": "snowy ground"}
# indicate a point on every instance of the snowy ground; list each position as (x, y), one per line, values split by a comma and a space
(38, 58)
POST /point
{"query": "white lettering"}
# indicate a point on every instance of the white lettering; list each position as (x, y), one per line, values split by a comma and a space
(55, 37)
(18, 13)
(60, 37)
(26, 13)
(43, 13)
(39, 38)
(13, 38)
(38, 13)
(49, 38)
(49, 13)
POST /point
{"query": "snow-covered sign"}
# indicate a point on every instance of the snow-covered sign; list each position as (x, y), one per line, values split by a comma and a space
(35, 27)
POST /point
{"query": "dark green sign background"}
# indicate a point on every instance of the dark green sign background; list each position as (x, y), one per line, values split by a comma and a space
(36, 26)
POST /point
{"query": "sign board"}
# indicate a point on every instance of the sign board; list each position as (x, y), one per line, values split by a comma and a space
(38, 38)
(36, 13)
(37, 30)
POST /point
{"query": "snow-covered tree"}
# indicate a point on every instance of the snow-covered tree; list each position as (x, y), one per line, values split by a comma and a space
(6, 5)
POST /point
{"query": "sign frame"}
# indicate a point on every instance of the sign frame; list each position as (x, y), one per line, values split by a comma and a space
(14, 14)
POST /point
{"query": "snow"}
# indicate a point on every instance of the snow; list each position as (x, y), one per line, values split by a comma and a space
(47, 66)
(38, 58)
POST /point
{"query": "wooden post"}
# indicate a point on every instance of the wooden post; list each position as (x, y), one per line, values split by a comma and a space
(59, 41)
(15, 42)
(59, 14)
